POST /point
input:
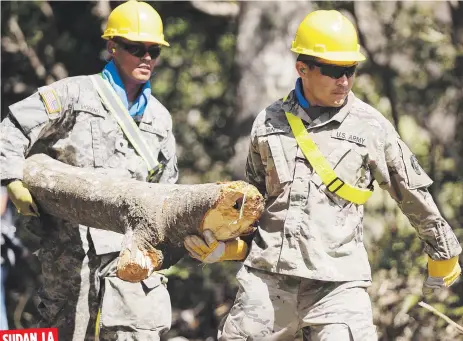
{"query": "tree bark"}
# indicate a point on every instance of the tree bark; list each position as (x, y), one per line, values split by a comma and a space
(265, 64)
(147, 214)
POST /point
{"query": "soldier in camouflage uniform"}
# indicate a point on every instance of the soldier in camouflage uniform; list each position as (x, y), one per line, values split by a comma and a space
(307, 266)
(68, 121)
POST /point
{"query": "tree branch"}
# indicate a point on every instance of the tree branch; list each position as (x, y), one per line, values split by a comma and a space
(36, 64)
(385, 71)
(217, 8)
(443, 316)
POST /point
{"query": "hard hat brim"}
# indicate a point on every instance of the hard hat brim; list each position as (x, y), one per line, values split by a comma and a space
(137, 38)
(354, 56)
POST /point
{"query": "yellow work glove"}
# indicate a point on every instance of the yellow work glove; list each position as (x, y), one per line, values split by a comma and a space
(22, 198)
(210, 250)
(441, 274)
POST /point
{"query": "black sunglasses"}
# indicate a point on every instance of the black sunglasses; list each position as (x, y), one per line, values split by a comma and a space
(139, 50)
(335, 71)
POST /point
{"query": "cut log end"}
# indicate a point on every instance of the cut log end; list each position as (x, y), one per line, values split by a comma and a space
(239, 206)
(135, 268)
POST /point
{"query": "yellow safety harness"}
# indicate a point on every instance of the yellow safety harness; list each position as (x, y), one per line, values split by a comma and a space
(128, 126)
(98, 325)
(322, 167)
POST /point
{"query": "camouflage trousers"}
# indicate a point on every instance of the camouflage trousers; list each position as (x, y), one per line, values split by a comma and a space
(273, 307)
(77, 283)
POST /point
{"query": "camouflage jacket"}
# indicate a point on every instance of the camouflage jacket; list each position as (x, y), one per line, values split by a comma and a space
(310, 232)
(68, 121)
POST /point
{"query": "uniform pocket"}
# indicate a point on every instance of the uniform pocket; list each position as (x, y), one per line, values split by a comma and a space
(347, 163)
(154, 136)
(92, 133)
(278, 152)
(252, 315)
(135, 307)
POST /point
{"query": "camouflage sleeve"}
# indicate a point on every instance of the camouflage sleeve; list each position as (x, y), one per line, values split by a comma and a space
(28, 120)
(170, 173)
(407, 183)
(255, 170)
(14, 144)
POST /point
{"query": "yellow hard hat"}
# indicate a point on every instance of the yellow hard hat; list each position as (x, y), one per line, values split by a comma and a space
(135, 21)
(328, 35)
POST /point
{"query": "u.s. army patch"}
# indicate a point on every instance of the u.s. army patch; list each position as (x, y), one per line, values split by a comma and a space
(51, 101)
(349, 137)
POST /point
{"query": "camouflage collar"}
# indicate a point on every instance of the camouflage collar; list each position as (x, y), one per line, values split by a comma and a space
(322, 115)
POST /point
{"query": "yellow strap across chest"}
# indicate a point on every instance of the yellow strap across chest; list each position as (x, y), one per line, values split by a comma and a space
(127, 124)
(322, 167)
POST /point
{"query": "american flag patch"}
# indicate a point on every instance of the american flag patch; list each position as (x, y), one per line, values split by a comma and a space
(51, 101)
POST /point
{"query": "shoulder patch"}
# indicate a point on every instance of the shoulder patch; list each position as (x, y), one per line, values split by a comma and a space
(51, 100)
(417, 177)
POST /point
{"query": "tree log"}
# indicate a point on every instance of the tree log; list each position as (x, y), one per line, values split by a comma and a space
(147, 214)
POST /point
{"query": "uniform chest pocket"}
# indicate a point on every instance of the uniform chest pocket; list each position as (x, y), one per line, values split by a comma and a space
(349, 166)
(153, 135)
(91, 118)
(98, 146)
(107, 142)
(278, 151)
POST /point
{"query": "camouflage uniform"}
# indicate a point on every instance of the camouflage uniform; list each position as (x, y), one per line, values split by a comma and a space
(308, 267)
(68, 121)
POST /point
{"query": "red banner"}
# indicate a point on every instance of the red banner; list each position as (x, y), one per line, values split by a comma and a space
(36, 334)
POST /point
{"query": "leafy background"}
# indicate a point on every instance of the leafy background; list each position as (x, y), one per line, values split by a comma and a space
(227, 61)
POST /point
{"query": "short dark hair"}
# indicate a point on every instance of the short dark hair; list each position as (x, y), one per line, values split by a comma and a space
(307, 60)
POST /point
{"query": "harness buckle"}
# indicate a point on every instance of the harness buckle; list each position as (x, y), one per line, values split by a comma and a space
(154, 175)
(337, 188)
